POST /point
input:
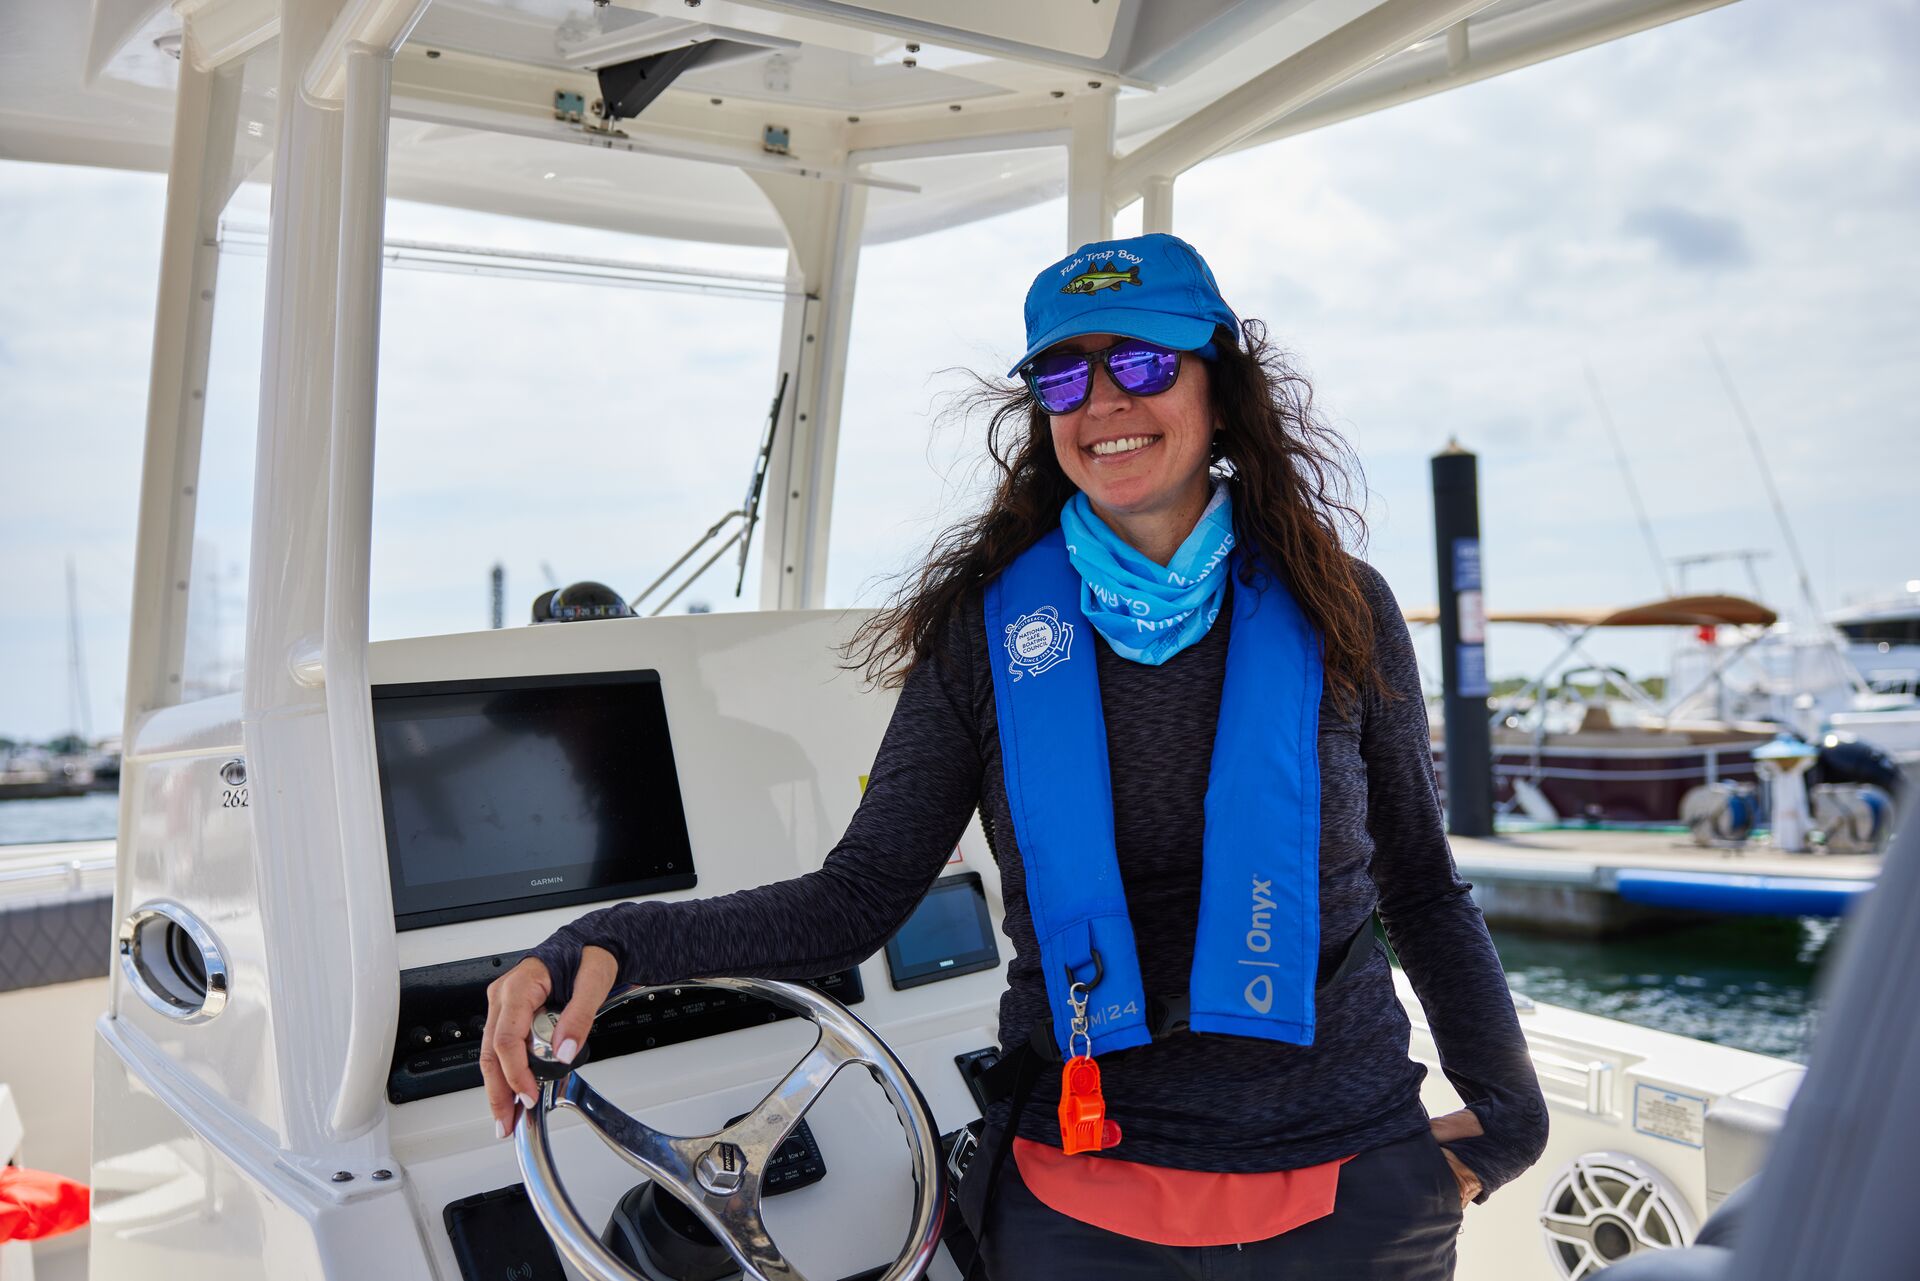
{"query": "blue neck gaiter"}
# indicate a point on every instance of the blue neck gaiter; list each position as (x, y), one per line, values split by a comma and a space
(1144, 611)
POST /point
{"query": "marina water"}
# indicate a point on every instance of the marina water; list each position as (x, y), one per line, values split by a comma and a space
(92, 817)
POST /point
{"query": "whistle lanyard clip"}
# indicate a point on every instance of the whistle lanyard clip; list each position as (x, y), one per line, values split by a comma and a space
(1077, 998)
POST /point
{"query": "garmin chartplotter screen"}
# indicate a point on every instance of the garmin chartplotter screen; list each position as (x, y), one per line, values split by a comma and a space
(517, 794)
(949, 933)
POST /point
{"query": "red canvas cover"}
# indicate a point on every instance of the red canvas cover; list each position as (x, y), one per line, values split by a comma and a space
(35, 1204)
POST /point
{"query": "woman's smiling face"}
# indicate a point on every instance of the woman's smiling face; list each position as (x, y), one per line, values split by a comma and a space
(1137, 455)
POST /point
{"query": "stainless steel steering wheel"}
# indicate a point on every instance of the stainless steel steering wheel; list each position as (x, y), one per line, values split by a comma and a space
(719, 1176)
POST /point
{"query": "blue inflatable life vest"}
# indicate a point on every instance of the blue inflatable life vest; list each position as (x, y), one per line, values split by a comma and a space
(1257, 950)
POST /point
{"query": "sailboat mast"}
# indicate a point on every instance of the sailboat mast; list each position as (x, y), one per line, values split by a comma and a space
(79, 710)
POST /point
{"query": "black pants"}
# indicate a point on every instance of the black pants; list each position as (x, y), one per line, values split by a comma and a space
(1395, 1218)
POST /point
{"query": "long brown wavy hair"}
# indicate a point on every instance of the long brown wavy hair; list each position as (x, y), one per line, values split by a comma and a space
(1294, 484)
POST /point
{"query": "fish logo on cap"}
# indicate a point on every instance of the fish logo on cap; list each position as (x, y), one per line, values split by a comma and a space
(1101, 276)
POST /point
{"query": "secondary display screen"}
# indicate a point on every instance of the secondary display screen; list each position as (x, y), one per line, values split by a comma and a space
(517, 794)
(949, 933)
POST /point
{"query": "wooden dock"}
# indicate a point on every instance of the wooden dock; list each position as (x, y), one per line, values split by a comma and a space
(1601, 883)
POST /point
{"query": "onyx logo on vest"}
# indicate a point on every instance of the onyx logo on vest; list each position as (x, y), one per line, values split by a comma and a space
(1259, 989)
(1037, 641)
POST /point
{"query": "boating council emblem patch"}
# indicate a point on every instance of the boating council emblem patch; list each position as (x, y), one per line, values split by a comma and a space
(1036, 641)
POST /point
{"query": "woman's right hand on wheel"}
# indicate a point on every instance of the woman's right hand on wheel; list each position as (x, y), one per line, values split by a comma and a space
(512, 1001)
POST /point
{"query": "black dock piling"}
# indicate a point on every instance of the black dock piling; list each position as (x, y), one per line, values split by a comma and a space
(1463, 652)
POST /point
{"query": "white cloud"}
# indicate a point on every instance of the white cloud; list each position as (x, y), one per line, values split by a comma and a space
(1516, 260)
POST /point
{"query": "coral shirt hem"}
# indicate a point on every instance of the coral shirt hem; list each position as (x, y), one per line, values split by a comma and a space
(1176, 1207)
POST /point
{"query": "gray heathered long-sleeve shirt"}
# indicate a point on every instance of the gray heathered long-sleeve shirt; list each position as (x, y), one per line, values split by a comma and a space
(1194, 1102)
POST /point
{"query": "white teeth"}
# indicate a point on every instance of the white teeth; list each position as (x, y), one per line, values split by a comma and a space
(1123, 445)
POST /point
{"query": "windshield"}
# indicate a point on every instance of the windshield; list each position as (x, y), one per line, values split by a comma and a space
(561, 404)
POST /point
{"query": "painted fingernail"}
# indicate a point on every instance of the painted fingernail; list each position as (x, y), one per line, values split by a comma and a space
(526, 1101)
(568, 1048)
(499, 1130)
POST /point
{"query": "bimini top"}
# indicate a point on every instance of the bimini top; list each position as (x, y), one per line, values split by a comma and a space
(942, 113)
(1675, 611)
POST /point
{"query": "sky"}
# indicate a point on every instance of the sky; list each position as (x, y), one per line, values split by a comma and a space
(1449, 269)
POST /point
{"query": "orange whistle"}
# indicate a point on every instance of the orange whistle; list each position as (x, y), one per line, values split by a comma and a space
(1083, 1109)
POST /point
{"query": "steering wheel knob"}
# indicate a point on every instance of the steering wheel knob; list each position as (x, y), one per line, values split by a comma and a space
(545, 1024)
(543, 1060)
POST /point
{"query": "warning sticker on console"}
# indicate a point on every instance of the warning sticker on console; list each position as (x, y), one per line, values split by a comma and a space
(1664, 1114)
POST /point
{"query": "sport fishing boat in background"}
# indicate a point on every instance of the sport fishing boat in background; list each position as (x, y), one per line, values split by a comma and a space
(1853, 674)
(1883, 640)
(36, 776)
(310, 886)
(1582, 741)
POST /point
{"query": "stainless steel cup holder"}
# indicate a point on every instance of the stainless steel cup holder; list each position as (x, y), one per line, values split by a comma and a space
(172, 960)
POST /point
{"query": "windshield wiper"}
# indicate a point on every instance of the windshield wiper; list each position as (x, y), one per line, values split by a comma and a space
(748, 513)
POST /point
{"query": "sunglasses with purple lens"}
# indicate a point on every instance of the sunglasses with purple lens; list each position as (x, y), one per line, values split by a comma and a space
(1062, 380)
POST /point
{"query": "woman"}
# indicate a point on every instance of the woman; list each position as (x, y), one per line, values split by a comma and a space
(1155, 672)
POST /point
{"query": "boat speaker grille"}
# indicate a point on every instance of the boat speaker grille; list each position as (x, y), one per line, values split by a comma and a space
(1603, 1206)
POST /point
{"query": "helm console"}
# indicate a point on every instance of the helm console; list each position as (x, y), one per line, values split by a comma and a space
(527, 776)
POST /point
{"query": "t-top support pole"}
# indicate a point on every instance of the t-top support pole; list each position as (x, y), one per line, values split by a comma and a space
(1090, 168)
(1156, 210)
(823, 221)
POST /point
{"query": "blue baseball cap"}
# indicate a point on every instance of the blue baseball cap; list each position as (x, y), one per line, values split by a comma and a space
(1155, 287)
